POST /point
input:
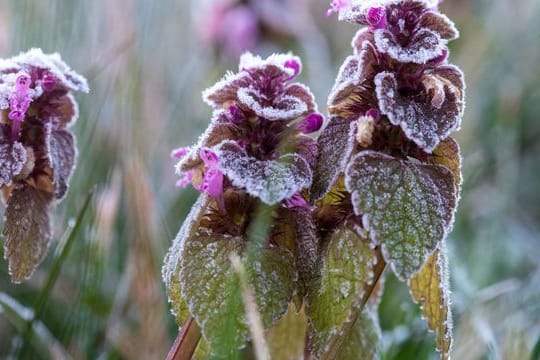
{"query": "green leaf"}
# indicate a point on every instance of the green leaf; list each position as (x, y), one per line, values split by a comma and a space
(429, 288)
(27, 230)
(363, 340)
(171, 268)
(345, 268)
(213, 290)
(287, 338)
(408, 208)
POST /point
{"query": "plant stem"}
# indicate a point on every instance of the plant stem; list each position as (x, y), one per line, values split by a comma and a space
(186, 342)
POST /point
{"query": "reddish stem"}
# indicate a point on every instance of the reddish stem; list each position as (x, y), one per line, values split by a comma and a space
(186, 342)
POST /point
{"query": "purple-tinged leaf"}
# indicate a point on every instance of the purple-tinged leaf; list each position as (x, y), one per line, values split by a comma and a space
(27, 229)
(269, 180)
(223, 94)
(363, 35)
(440, 24)
(62, 156)
(356, 70)
(336, 144)
(346, 266)
(302, 93)
(284, 107)
(407, 208)
(422, 121)
(12, 159)
(423, 46)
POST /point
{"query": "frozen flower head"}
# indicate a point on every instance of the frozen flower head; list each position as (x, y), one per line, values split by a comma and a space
(37, 150)
(256, 140)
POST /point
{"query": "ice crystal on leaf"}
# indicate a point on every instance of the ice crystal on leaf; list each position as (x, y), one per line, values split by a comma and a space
(270, 180)
(424, 45)
(210, 287)
(345, 268)
(428, 116)
(37, 149)
(263, 87)
(407, 208)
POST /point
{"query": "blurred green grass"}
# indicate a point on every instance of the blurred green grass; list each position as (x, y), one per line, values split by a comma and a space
(147, 67)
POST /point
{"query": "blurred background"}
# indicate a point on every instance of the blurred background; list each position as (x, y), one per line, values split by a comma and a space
(147, 63)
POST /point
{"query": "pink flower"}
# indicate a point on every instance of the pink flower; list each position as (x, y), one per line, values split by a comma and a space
(180, 152)
(311, 124)
(212, 183)
(186, 180)
(296, 201)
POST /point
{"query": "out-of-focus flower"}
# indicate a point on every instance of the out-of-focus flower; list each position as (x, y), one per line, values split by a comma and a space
(37, 150)
(235, 26)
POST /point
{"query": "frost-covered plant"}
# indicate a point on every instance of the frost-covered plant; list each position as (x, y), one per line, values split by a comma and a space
(37, 151)
(256, 156)
(384, 180)
(387, 178)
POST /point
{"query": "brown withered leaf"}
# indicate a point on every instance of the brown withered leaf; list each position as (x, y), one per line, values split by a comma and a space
(27, 230)
(429, 288)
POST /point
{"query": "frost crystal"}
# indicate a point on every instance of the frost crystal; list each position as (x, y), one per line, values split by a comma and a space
(270, 180)
(424, 122)
(409, 207)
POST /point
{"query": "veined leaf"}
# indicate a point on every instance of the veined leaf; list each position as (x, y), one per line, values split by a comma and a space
(429, 288)
(407, 208)
(346, 266)
(171, 268)
(213, 290)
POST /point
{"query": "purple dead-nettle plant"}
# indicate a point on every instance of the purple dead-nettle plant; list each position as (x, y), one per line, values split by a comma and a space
(387, 178)
(37, 151)
(257, 150)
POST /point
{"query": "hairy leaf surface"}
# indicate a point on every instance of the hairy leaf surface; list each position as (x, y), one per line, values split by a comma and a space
(171, 267)
(269, 180)
(426, 123)
(345, 268)
(212, 288)
(407, 208)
